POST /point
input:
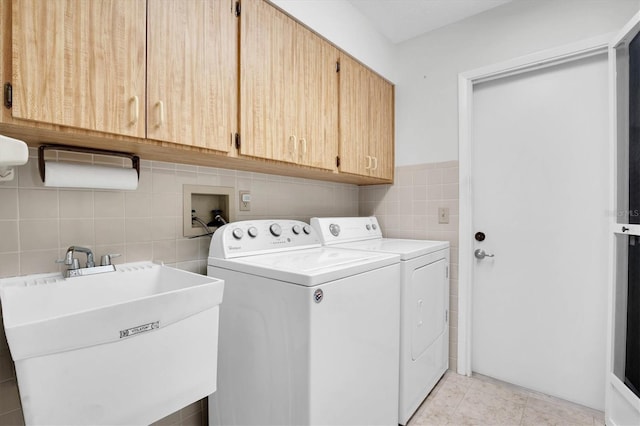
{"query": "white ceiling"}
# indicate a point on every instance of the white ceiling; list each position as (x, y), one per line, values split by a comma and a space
(400, 20)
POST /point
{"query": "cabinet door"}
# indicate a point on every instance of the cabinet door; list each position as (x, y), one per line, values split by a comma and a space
(316, 99)
(366, 121)
(80, 63)
(381, 146)
(192, 72)
(268, 123)
(354, 117)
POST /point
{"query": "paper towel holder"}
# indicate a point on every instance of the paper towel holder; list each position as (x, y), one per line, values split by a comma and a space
(135, 160)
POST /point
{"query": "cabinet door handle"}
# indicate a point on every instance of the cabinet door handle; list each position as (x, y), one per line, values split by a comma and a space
(375, 163)
(160, 105)
(368, 163)
(135, 113)
(303, 142)
(292, 144)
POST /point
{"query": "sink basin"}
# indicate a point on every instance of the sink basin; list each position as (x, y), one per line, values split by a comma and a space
(125, 347)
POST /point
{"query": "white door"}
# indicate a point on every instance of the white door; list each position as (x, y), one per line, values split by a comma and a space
(539, 184)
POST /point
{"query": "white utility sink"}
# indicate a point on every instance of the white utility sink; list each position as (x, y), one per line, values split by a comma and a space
(124, 347)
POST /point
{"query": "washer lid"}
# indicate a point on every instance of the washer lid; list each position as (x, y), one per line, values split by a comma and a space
(407, 249)
(308, 267)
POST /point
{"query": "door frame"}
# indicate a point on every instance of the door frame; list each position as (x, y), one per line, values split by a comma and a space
(466, 80)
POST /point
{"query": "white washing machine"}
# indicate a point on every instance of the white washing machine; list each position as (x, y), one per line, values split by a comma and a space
(424, 295)
(309, 335)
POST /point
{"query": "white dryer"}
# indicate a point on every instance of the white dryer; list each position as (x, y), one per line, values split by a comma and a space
(424, 295)
(309, 335)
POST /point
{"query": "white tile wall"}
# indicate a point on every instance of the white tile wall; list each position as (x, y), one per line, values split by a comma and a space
(37, 224)
(409, 209)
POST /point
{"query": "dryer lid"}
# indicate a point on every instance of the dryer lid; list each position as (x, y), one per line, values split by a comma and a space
(407, 249)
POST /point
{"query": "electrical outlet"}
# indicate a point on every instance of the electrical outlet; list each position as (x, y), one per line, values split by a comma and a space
(443, 214)
(245, 201)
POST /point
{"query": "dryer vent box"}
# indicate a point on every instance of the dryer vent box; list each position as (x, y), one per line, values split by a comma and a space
(204, 199)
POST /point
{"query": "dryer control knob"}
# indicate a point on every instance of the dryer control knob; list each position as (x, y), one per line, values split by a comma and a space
(276, 230)
(374, 226)
(368, 227)
(253, 232)
(296, 229)
(334, 229)
(237, 233)
(306, 229)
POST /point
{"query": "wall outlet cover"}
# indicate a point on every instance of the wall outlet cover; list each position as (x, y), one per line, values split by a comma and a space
(245, 201)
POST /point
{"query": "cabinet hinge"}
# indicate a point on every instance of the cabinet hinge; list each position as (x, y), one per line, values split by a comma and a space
(237, 8)
(338, 161)
(8, 95)
(337, 66)
(237, 141)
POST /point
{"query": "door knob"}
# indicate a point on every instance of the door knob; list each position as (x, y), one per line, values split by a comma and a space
(480, 254)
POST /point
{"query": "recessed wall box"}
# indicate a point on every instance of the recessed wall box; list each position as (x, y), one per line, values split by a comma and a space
(202, 200)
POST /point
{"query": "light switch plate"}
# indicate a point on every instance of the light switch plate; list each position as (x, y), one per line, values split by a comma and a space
(443, 215)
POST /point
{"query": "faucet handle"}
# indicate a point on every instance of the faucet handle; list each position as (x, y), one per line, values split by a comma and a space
(73, 264)
(105, 260)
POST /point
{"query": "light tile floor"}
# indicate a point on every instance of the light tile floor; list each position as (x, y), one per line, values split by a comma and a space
(481, 400)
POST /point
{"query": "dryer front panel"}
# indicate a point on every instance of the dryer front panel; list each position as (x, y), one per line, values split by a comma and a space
(428, 305)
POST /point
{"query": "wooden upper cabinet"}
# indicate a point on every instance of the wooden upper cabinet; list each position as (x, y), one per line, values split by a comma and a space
(366, 121)
(80, 63)
(382, 127)
(267, 114)
(354, 117)
(288, 89)
(192, 67)
(317, 100)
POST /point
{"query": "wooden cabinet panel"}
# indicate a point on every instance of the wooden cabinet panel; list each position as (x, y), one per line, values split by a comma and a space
(192, 72)
(80, 63)
(366, 121)
(267, 103)
(288, 89)
(317, 100)
(382, 127)
(354, 117)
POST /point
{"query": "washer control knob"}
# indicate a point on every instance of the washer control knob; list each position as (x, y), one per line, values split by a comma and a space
(306, 229)
(368, 227)
(374, 226)
(253, 232)
(237, 233)
(296, 229)
(276, 230)
(334, 229)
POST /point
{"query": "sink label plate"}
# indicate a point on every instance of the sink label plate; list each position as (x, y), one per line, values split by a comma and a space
(139, 329)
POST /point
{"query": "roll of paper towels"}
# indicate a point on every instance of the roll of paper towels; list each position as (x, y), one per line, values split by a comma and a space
(72, 175)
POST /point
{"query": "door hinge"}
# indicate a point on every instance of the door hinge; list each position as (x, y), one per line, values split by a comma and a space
(447, 272)
(337, 66)
(237, 141)
(237, 8)
(338, 161)
(8, 95)
(446, 316)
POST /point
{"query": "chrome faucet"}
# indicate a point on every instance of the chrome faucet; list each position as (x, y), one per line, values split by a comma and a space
(69, 259)
(74, 269)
